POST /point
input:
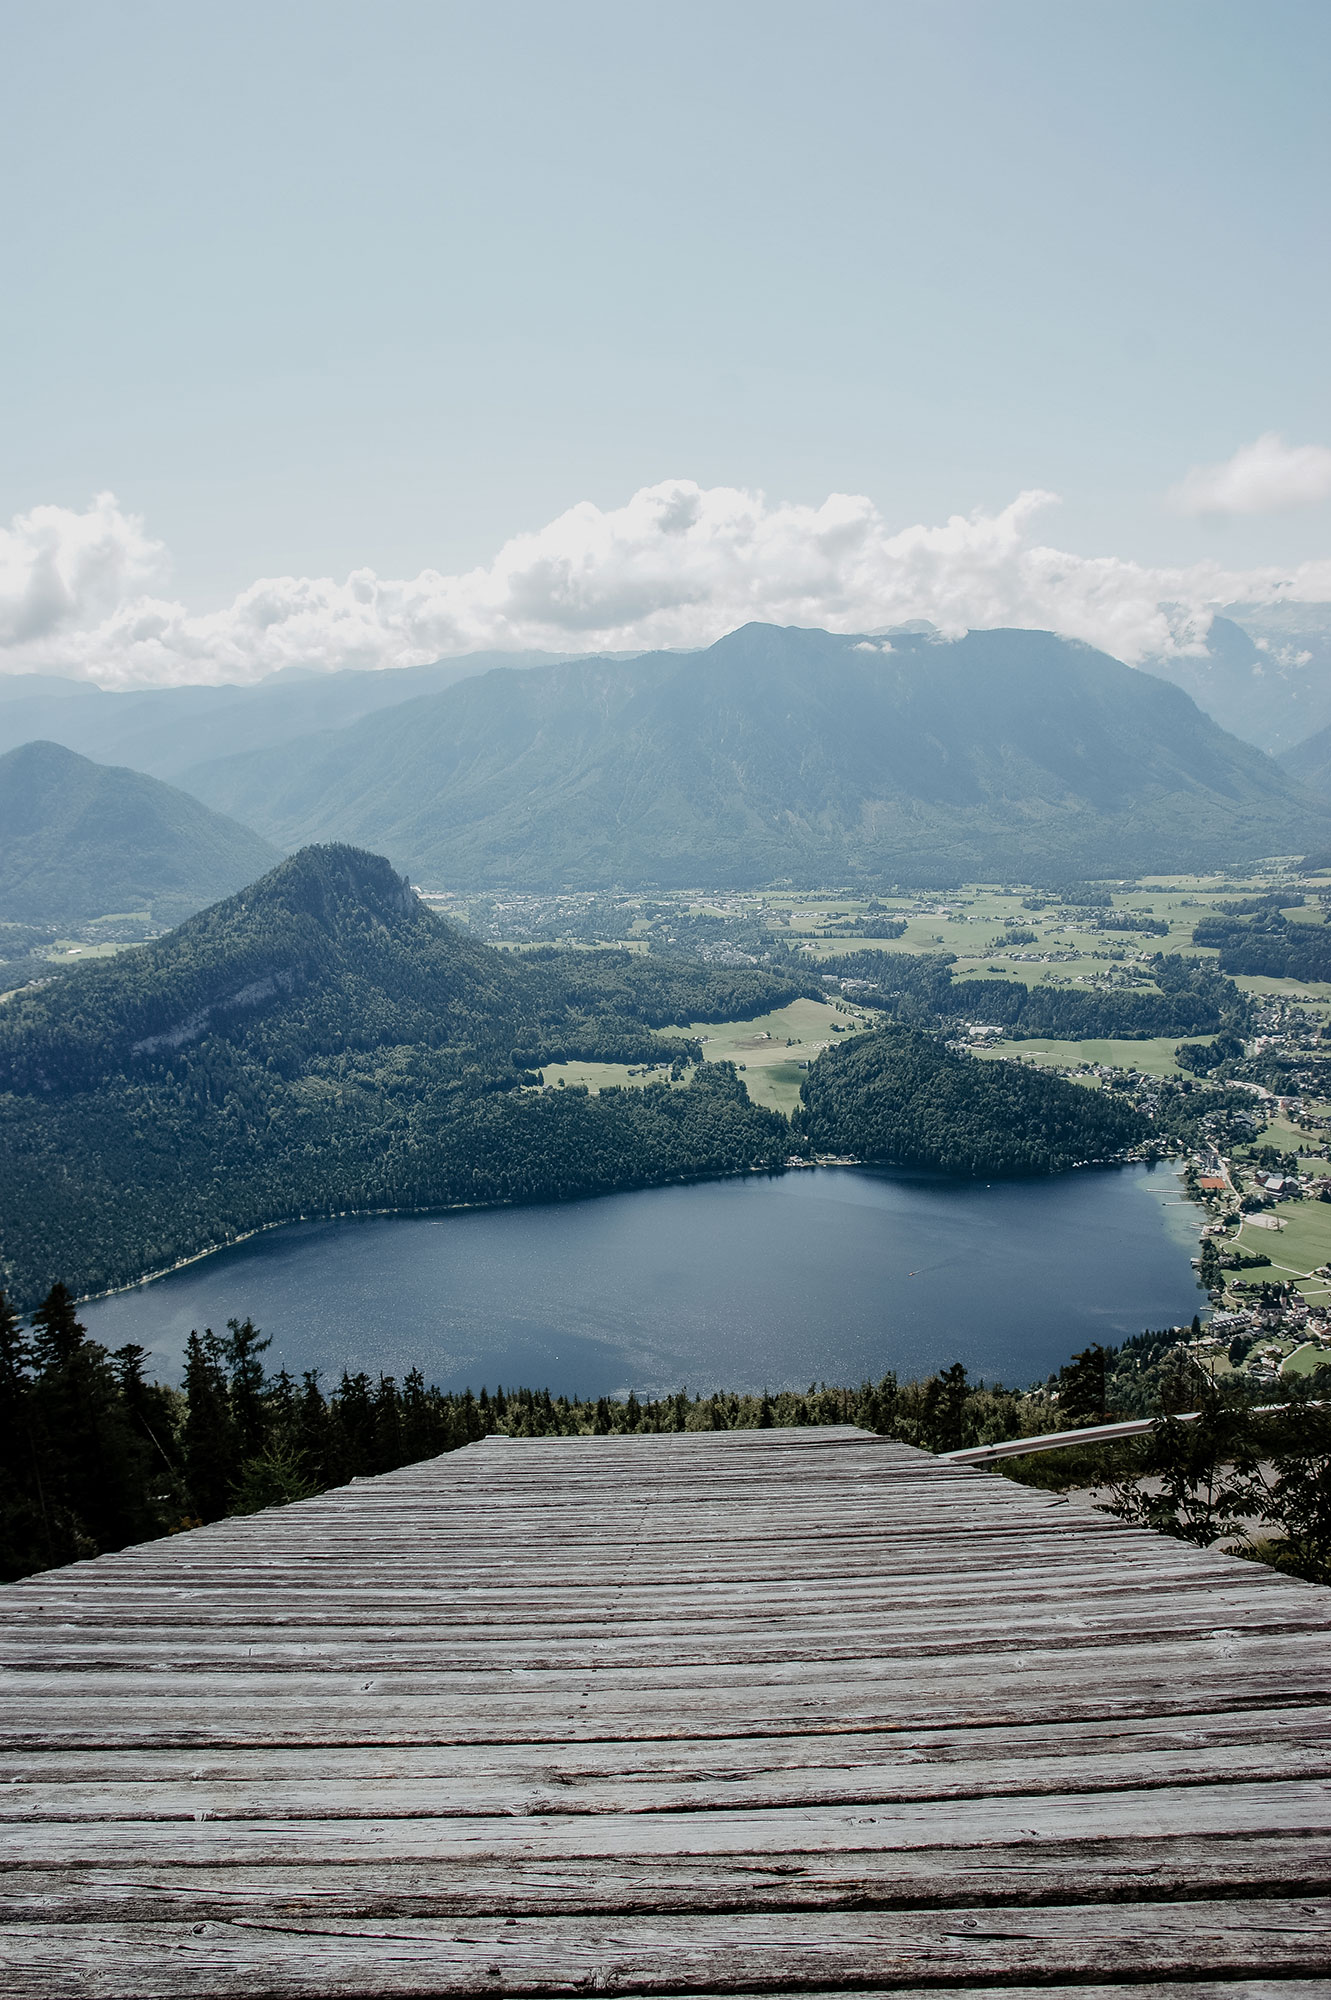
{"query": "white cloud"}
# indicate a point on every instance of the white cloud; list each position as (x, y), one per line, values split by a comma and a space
(61, 572)
(1262, 478)
(677, 565)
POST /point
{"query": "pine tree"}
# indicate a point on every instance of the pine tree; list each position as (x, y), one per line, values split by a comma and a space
(387, 1426)
(92, 1459)
(1083, 1386)
(15, 1354)
(24, 1540)
(312, 1430)
(243, 1348)
(352, 1427)
(209, 1439)
(57, 1331)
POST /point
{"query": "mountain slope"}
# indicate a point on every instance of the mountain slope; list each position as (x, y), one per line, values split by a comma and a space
(786, 753)
(1265, 679)
(322, 1042)
(81, 840)
(1309, 763)
(166, 730)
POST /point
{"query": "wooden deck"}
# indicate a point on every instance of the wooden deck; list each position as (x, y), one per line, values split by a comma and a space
(803, 1711)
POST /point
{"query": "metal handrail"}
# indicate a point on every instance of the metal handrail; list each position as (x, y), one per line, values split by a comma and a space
(984, 1454)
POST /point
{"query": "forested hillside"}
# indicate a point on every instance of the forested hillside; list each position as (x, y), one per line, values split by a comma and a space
(903, 1097)
(81, 840)
(322, 1042)
(1191, 997)
(1263, 943)
(786, 754)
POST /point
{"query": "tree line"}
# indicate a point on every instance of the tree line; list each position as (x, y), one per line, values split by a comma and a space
(95, 1456)
(1262, 943)
(920, 990)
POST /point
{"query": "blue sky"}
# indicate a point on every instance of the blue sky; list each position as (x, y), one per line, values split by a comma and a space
(312, 287)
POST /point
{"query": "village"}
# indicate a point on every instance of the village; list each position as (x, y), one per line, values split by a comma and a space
(1265, 1249)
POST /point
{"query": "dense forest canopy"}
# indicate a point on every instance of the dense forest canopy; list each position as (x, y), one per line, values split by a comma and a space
(902, 1096)
(1261, 942)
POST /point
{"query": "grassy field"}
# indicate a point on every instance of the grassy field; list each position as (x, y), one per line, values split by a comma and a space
(1305, 1359)
(771, 1067)
(769, 1050)
(1152, 1058)
(603, 1076)
(1286, 1136)
(65, 950)
(1303, 1244)
(1316, 991)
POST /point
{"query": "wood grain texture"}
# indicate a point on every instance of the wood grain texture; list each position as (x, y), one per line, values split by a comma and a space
(714, 1713)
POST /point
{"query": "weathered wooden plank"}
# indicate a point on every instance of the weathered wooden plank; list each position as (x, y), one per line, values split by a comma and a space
(1221, 1647)
(320, 1796)
(763, 1654)
(584, 1777)
(522, 1716)
(1167, 1869)
(644, 1611)
(325, 1956)
(1278, 1806)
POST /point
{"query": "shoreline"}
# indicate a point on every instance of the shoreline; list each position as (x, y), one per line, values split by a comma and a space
(427, 1208)
(796, 1163)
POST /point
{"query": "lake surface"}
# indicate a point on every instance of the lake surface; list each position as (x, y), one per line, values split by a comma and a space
(832, 1275)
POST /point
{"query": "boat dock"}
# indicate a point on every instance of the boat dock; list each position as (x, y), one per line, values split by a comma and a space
(800, 1711)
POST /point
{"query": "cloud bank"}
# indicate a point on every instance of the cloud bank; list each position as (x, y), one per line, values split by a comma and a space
(678, 565)
(1262, 478)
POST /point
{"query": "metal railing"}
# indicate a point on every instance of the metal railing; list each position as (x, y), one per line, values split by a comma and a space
(985, 1454)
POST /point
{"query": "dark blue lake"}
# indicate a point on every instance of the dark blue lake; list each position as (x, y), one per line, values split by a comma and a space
(833, 1275)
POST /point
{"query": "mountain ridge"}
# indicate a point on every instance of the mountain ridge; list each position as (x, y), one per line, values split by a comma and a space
(1263, 677)
(164, 730)
(785, 753)
(81, 840)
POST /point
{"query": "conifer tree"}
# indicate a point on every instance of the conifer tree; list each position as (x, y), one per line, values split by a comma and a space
(14, 1357)
(243, 1348)
(387, 1425)
(352, 1444)
(23, 1537)
(312, 1430)
(57, 1332)
(209, 1438)
(1082, 1386)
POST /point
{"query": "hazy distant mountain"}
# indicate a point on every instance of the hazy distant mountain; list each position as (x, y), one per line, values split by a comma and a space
(1268, 678)
(166, 730)
(1310, 763)
(81, 840)
(785, 753)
